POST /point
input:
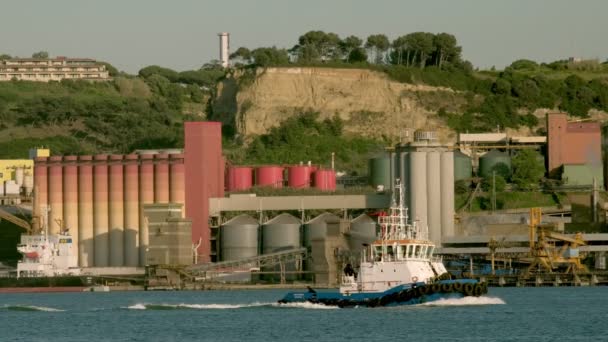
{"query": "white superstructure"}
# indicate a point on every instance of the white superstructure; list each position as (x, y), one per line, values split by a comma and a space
(47, 256)
(403, 254)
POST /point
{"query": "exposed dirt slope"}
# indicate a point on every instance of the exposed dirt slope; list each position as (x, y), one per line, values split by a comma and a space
(369, 102)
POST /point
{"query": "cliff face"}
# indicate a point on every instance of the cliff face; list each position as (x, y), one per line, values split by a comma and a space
(369, 102)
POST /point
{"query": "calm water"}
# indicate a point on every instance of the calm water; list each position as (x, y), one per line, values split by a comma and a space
(510, 314)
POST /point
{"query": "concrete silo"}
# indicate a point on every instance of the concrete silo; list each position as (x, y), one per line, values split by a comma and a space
(317, 227)
(146, 196)
(362, 230)
(100, 210)
(279, 234)
(463, 166)
(86, 245)
(447, 193)
(418, 188)
(239, 238)
(116, 211)
(70, 198)
(433, 187)
(55, 180)
(131, 208)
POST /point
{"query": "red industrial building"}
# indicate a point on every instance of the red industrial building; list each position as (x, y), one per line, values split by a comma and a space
(100, 198)
(572, 143)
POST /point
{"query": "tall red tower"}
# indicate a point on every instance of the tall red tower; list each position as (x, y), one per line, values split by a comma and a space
(204, 178)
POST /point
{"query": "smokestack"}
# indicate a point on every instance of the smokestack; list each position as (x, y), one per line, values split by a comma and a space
(224, 48)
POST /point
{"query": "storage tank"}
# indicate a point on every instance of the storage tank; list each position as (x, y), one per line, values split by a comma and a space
(447, 194)
(131, 208)
(70, 198)
(146, 196)
(116, 210)
(463, 166)
(176, 179)
(19, 176)
(55, 194)
(380, 172)
(161, 178)
(279, 234)
(495, 161)
(239, 178)
(100, 210)
(363, 229)
(325, 180)
(299, 176)
(270, 175)
(239, 238)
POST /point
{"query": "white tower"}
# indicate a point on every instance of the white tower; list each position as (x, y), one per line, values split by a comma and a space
(224, 48)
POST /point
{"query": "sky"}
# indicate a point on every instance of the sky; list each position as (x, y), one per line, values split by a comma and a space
(182, 34)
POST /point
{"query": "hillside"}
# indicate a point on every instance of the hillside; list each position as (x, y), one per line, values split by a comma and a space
(369, 103)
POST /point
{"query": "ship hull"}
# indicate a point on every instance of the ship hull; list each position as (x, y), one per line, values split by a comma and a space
(406, 294)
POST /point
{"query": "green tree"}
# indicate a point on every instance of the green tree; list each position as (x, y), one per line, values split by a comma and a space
(40, 55)
(349, 44)
(315, 46)
(167, 73)
(5, 56)
(270, 56)
(499, 182)
(445, 49)
(524, 64)
(528, 169)
(242, 54)
(377, 44)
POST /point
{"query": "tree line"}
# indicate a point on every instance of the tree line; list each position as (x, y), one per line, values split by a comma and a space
(417, 49)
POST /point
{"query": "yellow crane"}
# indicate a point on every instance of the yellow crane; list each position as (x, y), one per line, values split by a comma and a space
(544, 254)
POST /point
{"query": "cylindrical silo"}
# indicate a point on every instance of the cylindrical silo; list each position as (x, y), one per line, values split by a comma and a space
(55, 194)
(41, 192)
(86, 245)
(279, 234)
(239, 238)
(317, 227)
(495, 161)
(100, 210)
(70, 199)
(131, 207)
(447, 194)
(19, 175)
(380, 172)
(433, 193)
(161, 178)
(28, 184)
(418, 197)
(325, 180)
(404, 174)
(299, 176)
(362, 231)
(239, 178)
(270, 175)
(463, 166)
(116, 207)
(176, 179)
(146, 196)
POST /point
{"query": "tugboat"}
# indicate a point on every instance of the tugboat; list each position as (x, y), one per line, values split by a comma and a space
(399, 268)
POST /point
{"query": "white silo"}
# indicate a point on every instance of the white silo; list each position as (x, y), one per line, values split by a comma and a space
(433, 192)
(447, 193)
(418, 198)
(224, 48)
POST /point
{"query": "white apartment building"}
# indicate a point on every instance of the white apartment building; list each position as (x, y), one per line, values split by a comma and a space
(52, 69)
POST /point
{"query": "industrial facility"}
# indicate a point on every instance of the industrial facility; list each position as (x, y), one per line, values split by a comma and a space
(167, 209)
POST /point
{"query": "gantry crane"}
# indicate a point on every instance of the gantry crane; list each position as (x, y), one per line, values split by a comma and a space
(544, 254)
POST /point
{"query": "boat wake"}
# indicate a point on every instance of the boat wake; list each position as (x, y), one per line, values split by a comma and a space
(305, 305)
(31, 308)
(465, 301)
(183, 306)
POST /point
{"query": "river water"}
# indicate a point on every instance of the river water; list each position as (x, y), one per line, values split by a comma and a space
(504, 314)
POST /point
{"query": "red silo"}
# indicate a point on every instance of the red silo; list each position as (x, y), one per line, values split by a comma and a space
(131, 208)
(40, 191)
(325, 180)
(269, 175)
(70, 198)
(176, 179)
(299, 176)
(161, 178)
(116, 211)
(100, 210)
(55, 194)
(146, 196)
(240, 178)
(86, 245)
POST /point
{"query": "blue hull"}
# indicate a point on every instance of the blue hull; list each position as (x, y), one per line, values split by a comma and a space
(406, 294)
